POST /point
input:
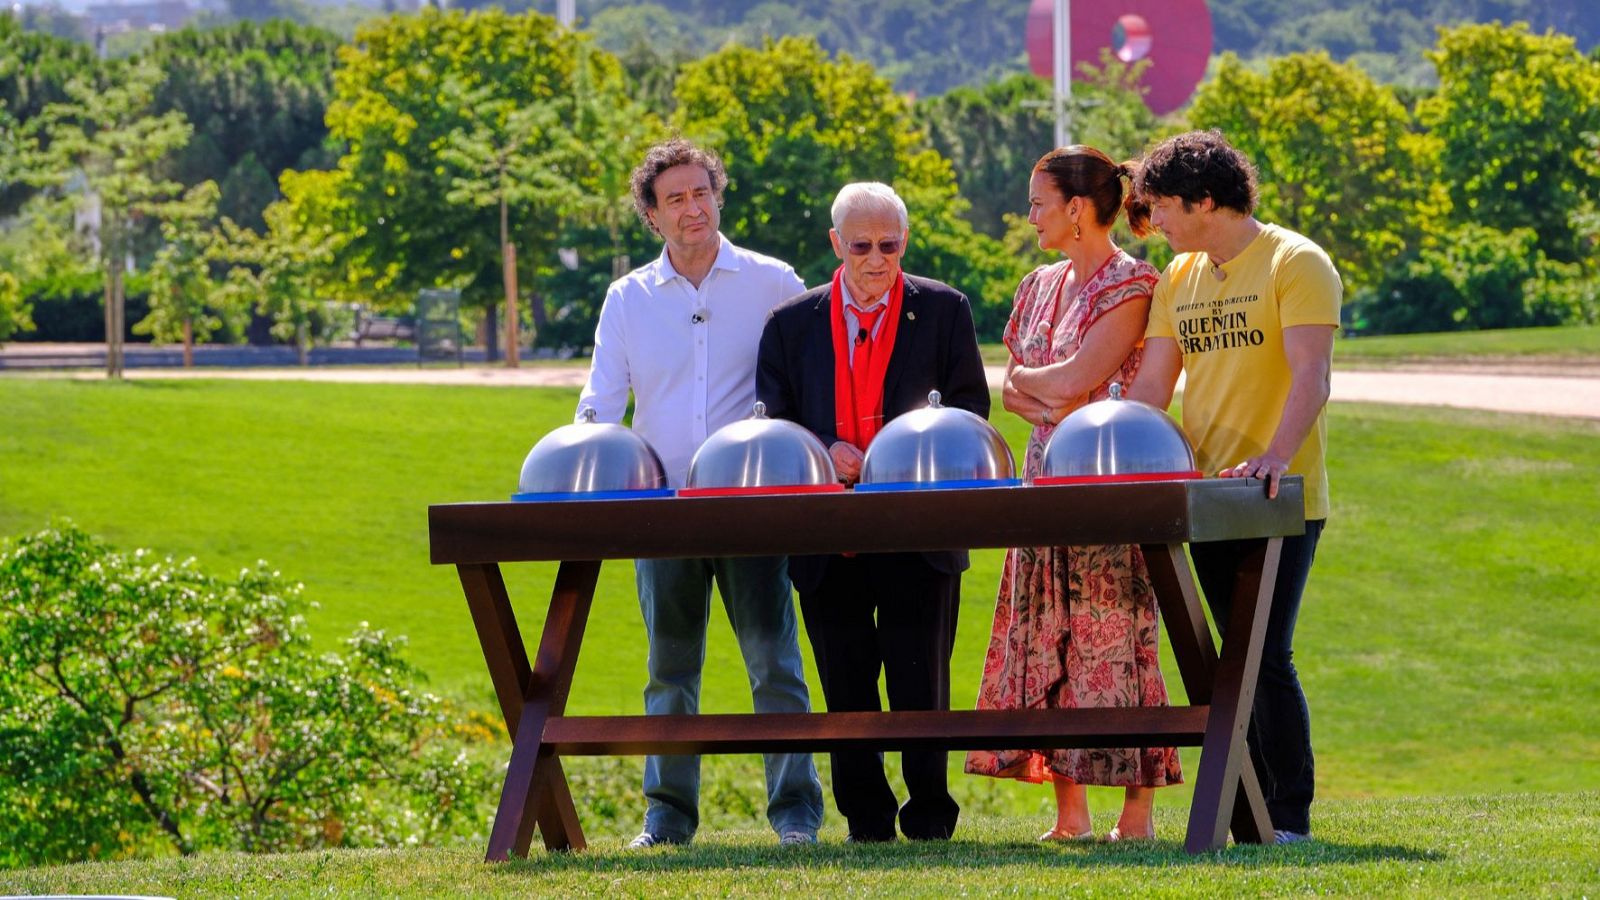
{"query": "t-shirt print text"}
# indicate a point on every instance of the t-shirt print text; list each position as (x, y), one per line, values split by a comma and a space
(1219, 328)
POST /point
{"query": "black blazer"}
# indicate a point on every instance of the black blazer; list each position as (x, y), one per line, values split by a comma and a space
(935, 348)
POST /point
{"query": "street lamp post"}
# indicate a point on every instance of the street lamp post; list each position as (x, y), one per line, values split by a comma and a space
(1062, 40)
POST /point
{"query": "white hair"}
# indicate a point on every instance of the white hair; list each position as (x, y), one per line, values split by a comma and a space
(868, 196)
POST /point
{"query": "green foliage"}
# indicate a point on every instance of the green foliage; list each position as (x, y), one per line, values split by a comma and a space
(145, 703)
(34, 71)
(1509, 112)
(14, 309)
(256, 96)
(55, 269)
(185, 303)
(393, 106)
(105, 142)
(1480, 277)
(922, 46)
(1384, 37)
(793, 126)
(1337, 153)
(289, 271)
(994, 135)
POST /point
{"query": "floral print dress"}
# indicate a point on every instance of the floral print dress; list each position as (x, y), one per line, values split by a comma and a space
(1074, 626)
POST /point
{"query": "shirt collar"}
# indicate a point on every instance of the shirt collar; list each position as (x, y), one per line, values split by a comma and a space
(849, 299)
(726, 259)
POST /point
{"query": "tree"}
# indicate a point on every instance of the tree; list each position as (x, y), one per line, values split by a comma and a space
(185, 303)
(1479, 277)
(1338, 155)
(794, 126)
(105, 138)
(391, 106)
(290, 271)
(509, 155)
(993, 135)
(14, 308)
(1509, 114)
(34, 71)
(146, 704)
(256, 95)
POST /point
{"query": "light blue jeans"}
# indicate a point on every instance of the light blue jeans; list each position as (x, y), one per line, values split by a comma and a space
(675, 598)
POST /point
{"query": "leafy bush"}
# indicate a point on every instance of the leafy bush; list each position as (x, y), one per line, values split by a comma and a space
(1478, 277)
(147, 706)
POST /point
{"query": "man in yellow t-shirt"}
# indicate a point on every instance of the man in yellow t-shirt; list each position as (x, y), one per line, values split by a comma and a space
(1248, 312)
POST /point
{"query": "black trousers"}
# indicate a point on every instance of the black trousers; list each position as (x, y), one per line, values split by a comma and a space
(1280, 721)
(893, 612)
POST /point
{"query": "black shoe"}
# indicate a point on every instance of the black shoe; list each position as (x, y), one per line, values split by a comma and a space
(870, 837)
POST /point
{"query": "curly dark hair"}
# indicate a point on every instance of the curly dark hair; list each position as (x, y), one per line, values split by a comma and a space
(665, 155)
(1196, 165)
(1080, 171)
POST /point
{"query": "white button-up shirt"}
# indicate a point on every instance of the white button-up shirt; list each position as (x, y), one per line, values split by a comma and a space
(688, 354)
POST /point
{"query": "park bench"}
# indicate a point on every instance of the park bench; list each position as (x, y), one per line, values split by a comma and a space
(383, 328)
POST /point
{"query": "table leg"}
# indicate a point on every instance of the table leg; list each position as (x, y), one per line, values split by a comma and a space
(1225, 754)
(535, 789)
(1196, 655)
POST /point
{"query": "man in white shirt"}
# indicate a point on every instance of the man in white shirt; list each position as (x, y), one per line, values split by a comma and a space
(681, 333)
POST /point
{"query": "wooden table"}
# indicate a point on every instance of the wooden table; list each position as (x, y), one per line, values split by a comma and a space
(1159, 516)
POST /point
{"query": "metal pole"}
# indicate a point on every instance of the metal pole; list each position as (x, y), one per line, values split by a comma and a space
(566, 12)
(1062, 33)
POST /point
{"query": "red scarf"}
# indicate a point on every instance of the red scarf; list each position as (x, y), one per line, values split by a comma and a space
(858, 390)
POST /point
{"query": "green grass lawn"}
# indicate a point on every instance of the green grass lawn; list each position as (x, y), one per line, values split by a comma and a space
(1508, 845)
(1577, 344)
(1447, 639)
(1561, 345)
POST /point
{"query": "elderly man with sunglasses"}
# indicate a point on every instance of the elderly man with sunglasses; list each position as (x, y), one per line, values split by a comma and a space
(841, 360)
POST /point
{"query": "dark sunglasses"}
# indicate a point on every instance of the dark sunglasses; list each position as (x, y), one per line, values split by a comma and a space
(887, 246)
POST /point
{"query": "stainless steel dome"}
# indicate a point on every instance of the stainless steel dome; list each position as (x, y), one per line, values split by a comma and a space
(1110, 439)
(758, 452)
(588, 457)
(937, 446)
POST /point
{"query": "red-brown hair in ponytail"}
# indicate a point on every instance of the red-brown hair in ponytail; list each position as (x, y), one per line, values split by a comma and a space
(1080, 171)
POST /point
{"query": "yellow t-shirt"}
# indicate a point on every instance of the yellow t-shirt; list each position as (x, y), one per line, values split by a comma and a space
(1231, 335)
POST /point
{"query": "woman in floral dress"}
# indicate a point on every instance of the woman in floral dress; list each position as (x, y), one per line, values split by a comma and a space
(1077, 626)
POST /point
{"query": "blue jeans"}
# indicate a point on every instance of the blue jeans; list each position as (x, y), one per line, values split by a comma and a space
(1280, 721)
(675, 598)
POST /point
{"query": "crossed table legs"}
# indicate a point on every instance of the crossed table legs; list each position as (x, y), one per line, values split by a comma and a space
(533, 700)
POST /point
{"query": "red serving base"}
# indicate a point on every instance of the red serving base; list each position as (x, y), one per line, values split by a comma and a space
(754, 491)
(1048, 480)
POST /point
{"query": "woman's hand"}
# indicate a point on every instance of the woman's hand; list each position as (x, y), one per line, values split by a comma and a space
(1028, 407)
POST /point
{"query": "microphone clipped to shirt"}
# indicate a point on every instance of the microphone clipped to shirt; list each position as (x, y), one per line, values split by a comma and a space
(861, 336)
(699, 317)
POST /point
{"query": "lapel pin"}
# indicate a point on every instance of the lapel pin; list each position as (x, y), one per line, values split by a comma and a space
(911, 316)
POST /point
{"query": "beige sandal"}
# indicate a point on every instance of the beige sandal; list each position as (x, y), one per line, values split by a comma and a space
(1059, 836)
(1116, 835)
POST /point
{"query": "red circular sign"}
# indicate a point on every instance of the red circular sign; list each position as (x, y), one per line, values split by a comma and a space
(1175, 35)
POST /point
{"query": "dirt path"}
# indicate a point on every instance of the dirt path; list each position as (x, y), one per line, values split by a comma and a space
(1564, 395)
